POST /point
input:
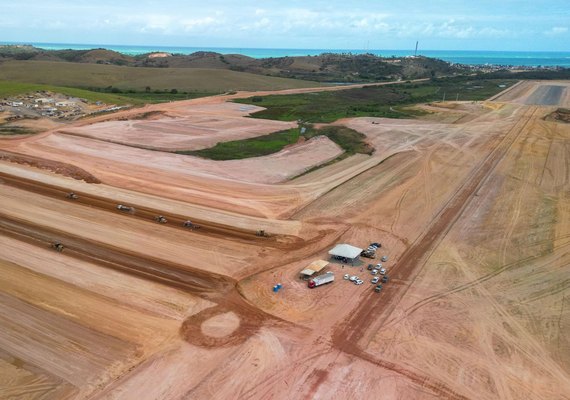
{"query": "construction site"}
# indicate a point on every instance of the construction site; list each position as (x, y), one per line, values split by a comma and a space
(132, 272)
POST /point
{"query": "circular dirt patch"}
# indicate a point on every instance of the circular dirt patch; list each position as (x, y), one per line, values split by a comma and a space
(221, 325)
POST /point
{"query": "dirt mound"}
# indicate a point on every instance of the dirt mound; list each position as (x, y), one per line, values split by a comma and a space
(560, 115)
(50, 165)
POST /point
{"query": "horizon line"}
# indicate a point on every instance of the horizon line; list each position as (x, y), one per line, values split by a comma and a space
(100, 45)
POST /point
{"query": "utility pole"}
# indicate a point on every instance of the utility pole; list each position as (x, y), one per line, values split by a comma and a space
(416, 52)
(443, 97)
(457, 97)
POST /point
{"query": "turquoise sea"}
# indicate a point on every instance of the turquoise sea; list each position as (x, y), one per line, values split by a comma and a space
(515, 58)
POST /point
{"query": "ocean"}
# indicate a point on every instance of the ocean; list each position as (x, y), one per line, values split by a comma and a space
(514, 58)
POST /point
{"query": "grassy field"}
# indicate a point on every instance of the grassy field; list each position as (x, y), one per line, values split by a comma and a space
(377, 101)
(349, 140)
(103, 76)
(254, 147)
(10, 88)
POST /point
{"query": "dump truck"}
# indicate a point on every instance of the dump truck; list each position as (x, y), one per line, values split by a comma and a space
(122, 207)
(321, 280)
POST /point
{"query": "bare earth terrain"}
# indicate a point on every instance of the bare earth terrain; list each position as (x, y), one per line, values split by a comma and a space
(471, 205)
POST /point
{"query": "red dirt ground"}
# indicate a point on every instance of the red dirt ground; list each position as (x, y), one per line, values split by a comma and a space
(471, 206)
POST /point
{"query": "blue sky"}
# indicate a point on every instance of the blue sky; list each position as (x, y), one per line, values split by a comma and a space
(348, 24)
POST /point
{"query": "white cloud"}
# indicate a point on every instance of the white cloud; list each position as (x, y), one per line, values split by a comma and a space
(556, 30)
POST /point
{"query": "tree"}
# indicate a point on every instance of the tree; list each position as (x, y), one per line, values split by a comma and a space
(147, 89)
(174, 91)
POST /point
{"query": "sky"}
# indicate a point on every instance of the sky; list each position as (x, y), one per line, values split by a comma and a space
(517, 25)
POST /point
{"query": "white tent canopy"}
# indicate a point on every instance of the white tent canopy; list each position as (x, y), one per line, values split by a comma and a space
(346, 251)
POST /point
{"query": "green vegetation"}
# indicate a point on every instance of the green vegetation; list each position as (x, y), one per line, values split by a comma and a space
(254, 147)
(106, 95)
(377, 101)
(349, 140)
(14, 130)
(122, 78)
(9, 89)
(154, 96)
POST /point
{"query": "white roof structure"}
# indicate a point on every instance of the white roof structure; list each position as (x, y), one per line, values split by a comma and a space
(345, 250)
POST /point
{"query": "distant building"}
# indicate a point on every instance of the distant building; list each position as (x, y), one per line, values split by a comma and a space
(44, 100)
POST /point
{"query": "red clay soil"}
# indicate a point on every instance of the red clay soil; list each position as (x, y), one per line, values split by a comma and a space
(347, 336)
(54, 166)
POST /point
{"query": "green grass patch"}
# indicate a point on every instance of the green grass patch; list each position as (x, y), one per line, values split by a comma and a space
(15, 130)
(84, 75)
(348, 139)
(11, 88)
(375, 101)
(164, 97)
(253, 147)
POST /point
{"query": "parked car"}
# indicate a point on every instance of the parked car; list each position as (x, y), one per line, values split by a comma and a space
(383, 271)
(384, 258)
(385, 279)
(353, 278)
(346, 276)
(370, 267)
(374, 272)
(379, 265)
(358, 282)
(378, 245)
(378, 288)
(375, 280)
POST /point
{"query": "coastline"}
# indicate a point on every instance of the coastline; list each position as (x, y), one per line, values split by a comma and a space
(467, 57)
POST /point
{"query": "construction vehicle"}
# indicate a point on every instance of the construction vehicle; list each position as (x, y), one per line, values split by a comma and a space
(261, 233)
(121, 207)
(72, 196)
(160, 219)
(190, 225)
(321, 280)
(58, 247)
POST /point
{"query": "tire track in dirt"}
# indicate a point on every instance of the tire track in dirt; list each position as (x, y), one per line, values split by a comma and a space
(348, 335)
(214, 287)
(398, 211)
(514, 215)
(416, 306)
(175, 221)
